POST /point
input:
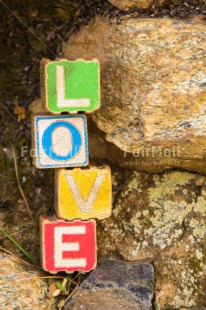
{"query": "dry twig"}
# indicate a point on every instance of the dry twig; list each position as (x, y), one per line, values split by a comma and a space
(19, 185)
(60, 308)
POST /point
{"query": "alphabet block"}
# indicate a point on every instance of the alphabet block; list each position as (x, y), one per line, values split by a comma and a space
(70, 86)
(67, 246)
(60, 141)
(83, 193)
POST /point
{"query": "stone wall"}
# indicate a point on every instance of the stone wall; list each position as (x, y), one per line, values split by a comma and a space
(153, 116)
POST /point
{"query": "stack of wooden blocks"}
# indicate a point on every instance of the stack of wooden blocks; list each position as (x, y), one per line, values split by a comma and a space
(68, 239)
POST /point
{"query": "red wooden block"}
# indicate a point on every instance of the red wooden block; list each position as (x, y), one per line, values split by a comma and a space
(67, 246)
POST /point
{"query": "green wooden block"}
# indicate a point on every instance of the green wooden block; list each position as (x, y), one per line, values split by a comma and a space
(70, 86)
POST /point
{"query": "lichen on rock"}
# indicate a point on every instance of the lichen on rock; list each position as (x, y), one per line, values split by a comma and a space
(161, 218)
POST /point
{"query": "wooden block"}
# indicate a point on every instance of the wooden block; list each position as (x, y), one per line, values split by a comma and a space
(60, 141)
(83, 193)
(67, 246)
(70, 86)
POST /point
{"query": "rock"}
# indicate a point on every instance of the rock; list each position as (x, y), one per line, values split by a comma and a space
(20, 286)
(116, 285)
(128, 4)
(153, 89)
(145, 4)
(36, 107)
(184, 286)
(160, 218)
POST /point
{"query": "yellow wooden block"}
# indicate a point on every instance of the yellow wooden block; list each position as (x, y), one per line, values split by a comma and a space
(83, 193)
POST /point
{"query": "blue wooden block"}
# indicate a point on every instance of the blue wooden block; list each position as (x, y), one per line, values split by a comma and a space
(60, 141)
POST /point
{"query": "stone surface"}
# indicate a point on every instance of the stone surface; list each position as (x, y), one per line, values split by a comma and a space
(153, 88)
(20, 286)
(126, 5)
(145, 4)
(161, 218)
(116, 285)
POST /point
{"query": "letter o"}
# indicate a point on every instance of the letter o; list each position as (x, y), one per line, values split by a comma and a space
(47, 141)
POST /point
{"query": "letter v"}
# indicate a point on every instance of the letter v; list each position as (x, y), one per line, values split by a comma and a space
(85, 206)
